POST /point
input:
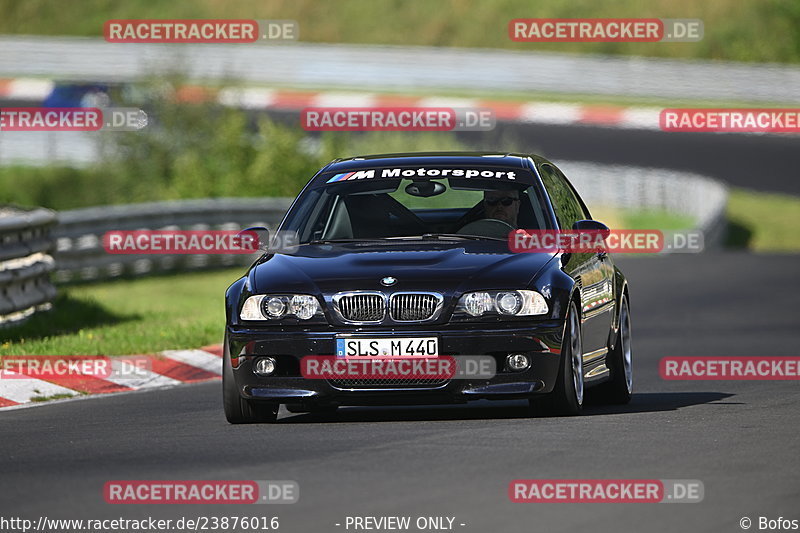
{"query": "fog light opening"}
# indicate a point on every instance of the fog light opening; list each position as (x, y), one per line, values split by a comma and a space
(518, 362)
(264, 366)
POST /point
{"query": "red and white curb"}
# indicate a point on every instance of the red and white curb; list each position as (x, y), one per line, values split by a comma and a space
(534, 112)
(291, 100)
(169, 368)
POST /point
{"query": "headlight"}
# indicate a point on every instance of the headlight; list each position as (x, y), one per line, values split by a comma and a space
(507, 303)
(477, 303)
(274, 307)
(277, 306)
(304, 306)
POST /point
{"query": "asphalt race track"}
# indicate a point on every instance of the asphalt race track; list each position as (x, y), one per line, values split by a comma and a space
(762, 162)
(739, 438)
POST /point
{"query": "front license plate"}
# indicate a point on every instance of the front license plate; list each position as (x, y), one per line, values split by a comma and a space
(387, 347)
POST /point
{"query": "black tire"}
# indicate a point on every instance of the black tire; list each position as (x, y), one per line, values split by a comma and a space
(237, 409)
(566, 399)
(619, 387)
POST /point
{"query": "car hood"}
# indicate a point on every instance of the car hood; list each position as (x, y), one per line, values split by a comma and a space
(438, 266)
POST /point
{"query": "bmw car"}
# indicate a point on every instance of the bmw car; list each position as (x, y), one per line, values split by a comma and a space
(408, 255)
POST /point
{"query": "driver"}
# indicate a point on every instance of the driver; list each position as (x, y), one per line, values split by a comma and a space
(502, 205)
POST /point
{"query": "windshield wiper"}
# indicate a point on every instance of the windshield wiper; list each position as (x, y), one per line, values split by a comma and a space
(333, 241)
(423, 237)
(437, 236)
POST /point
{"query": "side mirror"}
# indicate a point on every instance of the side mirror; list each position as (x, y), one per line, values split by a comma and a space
(256, 232)
(592, 225)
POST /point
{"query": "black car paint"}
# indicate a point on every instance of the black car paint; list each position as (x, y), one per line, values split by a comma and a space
(449, 267)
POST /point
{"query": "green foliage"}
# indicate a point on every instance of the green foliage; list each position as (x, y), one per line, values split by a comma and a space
(199, 150)
(735, 30)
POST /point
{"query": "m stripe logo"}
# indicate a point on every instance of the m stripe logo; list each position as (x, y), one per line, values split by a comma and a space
(346, 176)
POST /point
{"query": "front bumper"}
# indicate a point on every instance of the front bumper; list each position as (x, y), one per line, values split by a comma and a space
(541, 341)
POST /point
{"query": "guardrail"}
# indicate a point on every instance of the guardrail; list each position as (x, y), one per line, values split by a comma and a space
(699, 197)
(80, 255)
(28, 237)
(25, 263)
(371, 67)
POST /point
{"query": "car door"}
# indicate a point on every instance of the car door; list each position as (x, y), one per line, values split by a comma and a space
(592, 270)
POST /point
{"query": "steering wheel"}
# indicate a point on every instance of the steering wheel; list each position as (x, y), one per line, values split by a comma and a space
(487, 227)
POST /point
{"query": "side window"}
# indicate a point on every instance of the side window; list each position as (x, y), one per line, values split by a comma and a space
(567, 207)
(584, 210)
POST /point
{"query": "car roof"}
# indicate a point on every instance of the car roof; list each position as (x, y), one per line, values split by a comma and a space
(416, 159)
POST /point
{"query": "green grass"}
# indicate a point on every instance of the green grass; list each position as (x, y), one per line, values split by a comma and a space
(638, 219)
(757, 221)
(742, 30)
(61, 396)
(661, 220)
(128, 317)
(763, 222)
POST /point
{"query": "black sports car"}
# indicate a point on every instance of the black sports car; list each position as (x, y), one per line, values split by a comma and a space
(408, 255)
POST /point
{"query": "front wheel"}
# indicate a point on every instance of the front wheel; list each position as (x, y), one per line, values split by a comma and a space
(237, 409)
(566, 399)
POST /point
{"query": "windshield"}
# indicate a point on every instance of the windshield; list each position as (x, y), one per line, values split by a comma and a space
(417, 208)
